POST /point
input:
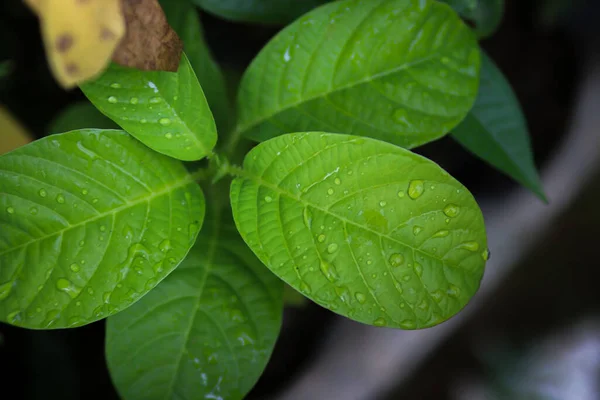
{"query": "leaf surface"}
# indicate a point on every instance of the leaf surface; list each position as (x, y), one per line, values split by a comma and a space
(496, 131)
(262, 11)
(362, 227)
(402, 71)
(90, 221)
(164, 110)
(207, 331)
(183, 17)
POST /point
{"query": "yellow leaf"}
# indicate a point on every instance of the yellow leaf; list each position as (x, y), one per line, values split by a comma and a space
(80, 36)
(12, 134)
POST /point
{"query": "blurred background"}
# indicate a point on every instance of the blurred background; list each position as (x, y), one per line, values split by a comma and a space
(532, 331)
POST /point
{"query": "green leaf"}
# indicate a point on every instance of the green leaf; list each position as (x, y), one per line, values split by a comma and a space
(166, 111)
(207, 331)
(90, 221)
(262, 11)
(80, 115)
(183, 18)
(496, 131)
(362, 227)
(485, 14)
(403, 71)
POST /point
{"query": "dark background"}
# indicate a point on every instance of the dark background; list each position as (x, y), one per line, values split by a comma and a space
(542, 58)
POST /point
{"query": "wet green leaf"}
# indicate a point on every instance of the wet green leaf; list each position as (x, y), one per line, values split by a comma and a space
(262, 11)
(183, 18)
(207, 331)
(362, 227)
(166, 111)
(90, 221)
(496, 131)
(403, 71)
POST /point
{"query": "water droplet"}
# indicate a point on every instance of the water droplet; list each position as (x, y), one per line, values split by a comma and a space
(112, 99)
(441, 234)
(332, 248)
(60, 199)
(304, 288)
(400, 116)
(401, 194)
(94, 201)
(337, 181)
(133, 100)
(165, 245)
(329, 271)
(406, 278)
(418, 269)
(417, 230)
(451, 210)
(369, 262)
(143, 120)
(286, 56)
(268, 199)
(453, 291)
(396, 260)
(437, 296)
(42, 193)
(321, 238)
(164, 121)
(485, 255)
(361, 298)
(329, 191)
(169, 135)
(408, 324)
(5, 289)
(115, 85)
(67, 286)
(471, 246)
(193, 230)
(155, 100)
(10, 210)
(424, 305)
(379, 322)
(102, 228)
(382, 203)
(14, 316)
(307, 215)
(415, 189)
(106, 297)
(74, 267)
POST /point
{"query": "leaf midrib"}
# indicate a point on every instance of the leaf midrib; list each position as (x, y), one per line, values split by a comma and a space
(260, 181)
(368, 79)
(189, 178)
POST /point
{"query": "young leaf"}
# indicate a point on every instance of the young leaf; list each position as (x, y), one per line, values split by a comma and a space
(166, 111)
(263, 11)
(183, 17)
(90, 221)
(496, 131)
(403, 71)
(80, 115)
(486, 15)
(362, 227)
(207, 331)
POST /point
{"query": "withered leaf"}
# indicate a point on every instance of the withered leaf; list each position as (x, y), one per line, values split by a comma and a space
(149, 43)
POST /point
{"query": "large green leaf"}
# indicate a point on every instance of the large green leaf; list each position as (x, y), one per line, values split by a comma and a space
(403, 71)
(80, 115)
(485, 14)
(496, 130)
(90, 221)
(362, 227)
(264, 11)
(183, 17)
(166, 111)
(207, 331)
